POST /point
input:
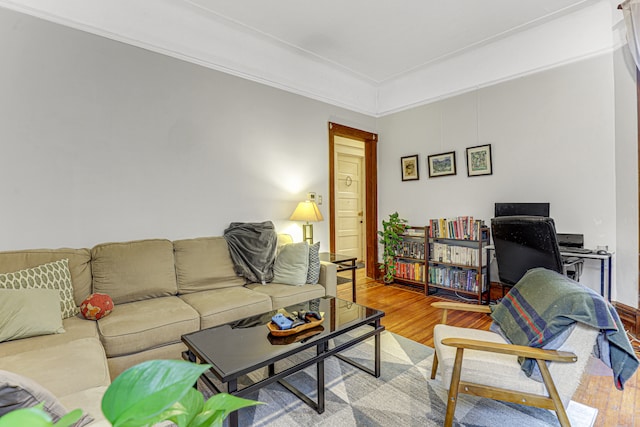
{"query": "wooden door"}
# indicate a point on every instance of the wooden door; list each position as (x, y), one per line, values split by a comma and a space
(349, 178)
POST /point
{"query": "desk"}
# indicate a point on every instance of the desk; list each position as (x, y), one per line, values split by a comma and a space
(344, 263)
(608, 257)
(603, 258)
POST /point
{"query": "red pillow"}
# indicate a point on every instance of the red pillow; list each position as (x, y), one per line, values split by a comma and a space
(96, 306)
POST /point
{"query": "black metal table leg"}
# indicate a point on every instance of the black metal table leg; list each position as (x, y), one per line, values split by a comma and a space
(376, 340)
(320, 378)
(232, 387)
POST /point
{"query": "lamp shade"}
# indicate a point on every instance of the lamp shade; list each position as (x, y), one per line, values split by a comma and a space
(306, 211)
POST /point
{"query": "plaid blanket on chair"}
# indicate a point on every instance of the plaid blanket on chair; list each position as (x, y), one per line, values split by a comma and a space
(543, 304)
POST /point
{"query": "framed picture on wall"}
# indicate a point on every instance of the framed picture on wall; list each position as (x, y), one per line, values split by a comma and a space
(442, 164)
(409, 165)
(479, 160)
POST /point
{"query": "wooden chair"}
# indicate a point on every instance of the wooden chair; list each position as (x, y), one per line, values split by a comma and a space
(482, 363)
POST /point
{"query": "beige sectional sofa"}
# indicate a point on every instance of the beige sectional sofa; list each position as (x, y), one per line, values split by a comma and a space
(161, 289)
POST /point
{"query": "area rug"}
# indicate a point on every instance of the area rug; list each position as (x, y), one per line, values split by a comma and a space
(404, 395)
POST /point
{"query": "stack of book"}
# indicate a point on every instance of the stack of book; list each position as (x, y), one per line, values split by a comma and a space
(410, 270)
(462, 227)
(461, 255)
(454, 278)
(409, 249)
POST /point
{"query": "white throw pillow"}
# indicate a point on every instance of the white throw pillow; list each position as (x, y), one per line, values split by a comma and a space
(292, 264)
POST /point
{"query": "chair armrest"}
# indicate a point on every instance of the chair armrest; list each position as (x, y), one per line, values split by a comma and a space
(570, 261)
(512, 349)
(460, 306)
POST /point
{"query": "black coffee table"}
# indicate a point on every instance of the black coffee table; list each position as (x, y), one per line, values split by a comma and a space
(244, 346)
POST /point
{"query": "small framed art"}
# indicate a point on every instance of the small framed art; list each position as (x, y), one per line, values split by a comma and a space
(409, 166)
(479, 160)
(442, 164)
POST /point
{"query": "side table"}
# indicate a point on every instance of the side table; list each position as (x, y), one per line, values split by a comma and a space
(344, 263)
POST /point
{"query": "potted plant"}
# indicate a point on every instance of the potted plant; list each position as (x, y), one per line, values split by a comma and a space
(146, 394)
(391, 238)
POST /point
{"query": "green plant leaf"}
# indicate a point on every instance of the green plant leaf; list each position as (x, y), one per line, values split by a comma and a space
(185, 410)
(390, 238)
(32, 417)
(141, 394)
(218, 407)
(69, 419)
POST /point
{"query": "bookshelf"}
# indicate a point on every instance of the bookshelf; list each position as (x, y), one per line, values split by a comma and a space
(455, 260)
(411, 257)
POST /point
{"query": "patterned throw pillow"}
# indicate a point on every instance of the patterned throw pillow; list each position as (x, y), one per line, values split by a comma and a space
(313, 274)
(53, 275)
(96, 306)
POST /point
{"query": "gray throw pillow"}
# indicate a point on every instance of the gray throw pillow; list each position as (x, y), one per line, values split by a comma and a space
(292, 264)
(313, 275)
(17, 392)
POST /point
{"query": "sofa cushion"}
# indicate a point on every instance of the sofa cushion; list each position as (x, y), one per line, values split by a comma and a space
(119, 364)
(203, 264)
(141, 325)
(284, 295)
(20, 392)
(133, 271)
(284, 239)
(220, 306)
(75, 328)
(26, 313)
(52, 275)
(292, 264)
(79, 265)
(90, 401)
(63, 369)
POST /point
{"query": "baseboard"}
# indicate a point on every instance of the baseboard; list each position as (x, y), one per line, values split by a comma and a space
(630, 317)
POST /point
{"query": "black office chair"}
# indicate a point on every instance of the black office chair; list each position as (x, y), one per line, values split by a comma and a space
(525, 242)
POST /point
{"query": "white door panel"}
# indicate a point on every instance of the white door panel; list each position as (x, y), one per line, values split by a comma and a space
(349, 201)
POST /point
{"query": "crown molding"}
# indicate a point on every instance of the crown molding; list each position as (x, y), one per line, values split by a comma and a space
(211, 41)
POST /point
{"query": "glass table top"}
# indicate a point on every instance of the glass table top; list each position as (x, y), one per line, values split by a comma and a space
(245, 345)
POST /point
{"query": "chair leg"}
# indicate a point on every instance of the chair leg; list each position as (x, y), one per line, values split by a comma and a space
(553, 394)
(453, 388)
(434, 365)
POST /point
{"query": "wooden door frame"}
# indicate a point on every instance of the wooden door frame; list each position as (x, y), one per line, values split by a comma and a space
(370, 191)
(638, 171)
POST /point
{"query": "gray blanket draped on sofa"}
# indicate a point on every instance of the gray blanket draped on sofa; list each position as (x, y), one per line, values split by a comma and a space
(252, 246)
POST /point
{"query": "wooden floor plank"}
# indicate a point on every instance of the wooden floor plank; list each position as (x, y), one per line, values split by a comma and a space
(409, 313)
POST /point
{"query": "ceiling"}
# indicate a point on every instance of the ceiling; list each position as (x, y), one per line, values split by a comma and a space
(370, 56)
(381, 39)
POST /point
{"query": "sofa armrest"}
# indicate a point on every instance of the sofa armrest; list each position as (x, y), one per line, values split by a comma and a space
(329, 278)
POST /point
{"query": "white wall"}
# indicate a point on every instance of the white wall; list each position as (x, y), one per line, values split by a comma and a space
(553, 139)
(102, 141)
(626, 177)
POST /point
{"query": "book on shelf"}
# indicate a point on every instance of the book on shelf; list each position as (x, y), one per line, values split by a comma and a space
(461, 228)
(455, 278)
(414, 232)
(455, 254)
(410, 249)
(410, 270)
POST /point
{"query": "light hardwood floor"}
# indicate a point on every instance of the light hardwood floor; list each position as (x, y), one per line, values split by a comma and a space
(409, 313)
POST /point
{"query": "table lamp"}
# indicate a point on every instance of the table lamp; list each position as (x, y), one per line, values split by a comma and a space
(307, 211)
